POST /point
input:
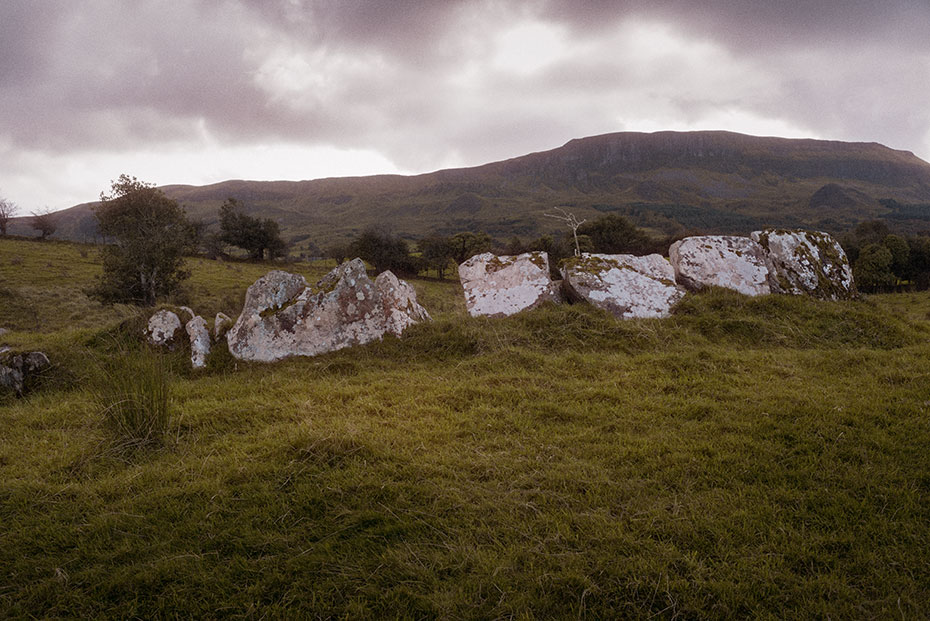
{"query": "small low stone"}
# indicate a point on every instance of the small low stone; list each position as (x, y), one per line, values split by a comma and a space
(163, 329)
(221, 325)
(18, 371)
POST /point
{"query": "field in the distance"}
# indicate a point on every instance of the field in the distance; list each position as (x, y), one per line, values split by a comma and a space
(750, 458)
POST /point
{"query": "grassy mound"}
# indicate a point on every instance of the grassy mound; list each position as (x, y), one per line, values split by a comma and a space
(759, 458)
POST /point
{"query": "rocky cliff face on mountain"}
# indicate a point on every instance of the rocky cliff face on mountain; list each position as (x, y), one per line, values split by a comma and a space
(714, 182)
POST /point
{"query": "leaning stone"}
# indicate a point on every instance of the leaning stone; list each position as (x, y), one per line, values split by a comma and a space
(163, 329)
(199, 336)
(221, 325)
(736, 263)
(188, 311)
(282, 317)
(625, 285)
(497, 286)
(807, 262)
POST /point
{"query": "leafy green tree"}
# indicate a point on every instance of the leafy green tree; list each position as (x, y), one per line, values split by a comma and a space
(872, 270)
(467, 245)
(385, 252)
(900, 254)
(149, 234)
(437, 252)
(338, 252)
(919, 264)
(613, 234)
(256, 236)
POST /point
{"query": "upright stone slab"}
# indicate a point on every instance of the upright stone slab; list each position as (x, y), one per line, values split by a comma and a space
(199, 336)
(221, 325)
(163, 329)
(736, 263)
(282, 317)
(625, 285)
(807, 262)
(497, 286)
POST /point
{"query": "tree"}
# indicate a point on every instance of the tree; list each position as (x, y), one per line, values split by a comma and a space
(338, 252)
(149, 234)
(467, 245)
(613, 234)
(45, 223)
(8, 210)
(873, 269)
(900, 255)
(437, 251)
(572, 222)
(384, 251)
(255, 236)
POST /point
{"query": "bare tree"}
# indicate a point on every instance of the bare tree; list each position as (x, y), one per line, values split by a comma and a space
(8, 209)
(571, 221)
(44, 222)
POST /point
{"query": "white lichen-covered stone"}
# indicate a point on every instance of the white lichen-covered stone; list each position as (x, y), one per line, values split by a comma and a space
(199, 337)
(807, 262)
(497, 286)
(221, 325)
(163, 329)
(625, 285)
(282, 317)
(736, 263)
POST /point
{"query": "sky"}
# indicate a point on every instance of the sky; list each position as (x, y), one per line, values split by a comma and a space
(203, 91)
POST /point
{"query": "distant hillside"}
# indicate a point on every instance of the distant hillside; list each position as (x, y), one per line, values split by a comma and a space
(670, 182)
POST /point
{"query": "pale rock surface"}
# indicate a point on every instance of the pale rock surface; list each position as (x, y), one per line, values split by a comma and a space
(732, 262)
(625, 285)
(17, 371)
(163, 329)
(221, 325)
(497, 286)
(199, 336)
(187, 311)
(284, 317)
(807, 262)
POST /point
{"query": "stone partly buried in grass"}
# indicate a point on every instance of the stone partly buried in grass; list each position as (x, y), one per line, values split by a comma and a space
(199, 336)
(807, 262)
(163, 329)
(737, 263)
(625, 285)
(283, 317)
(497, 286)
(19, 371)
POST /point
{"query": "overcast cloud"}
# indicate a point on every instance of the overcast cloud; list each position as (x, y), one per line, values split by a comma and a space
(207, 90)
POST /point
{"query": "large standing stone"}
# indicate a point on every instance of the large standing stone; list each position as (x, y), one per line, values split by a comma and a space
(199, 336)
(736, 263)
(164, 329)
(807, 262)
(622, 284)
(500, 286)
(283, 317)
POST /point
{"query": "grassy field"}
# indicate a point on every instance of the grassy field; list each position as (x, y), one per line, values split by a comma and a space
(749, 458)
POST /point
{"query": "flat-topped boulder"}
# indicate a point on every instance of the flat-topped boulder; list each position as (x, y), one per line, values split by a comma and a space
(737, 263)
(807, 262)
(625, 285)
(497, 286)
(284, 317)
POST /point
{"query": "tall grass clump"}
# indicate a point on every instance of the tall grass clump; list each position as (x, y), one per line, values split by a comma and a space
(135, 399)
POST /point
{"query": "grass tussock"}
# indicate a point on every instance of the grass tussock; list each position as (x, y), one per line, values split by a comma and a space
(134, 397)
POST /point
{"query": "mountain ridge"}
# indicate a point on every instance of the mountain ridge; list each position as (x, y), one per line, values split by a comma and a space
(715, 181)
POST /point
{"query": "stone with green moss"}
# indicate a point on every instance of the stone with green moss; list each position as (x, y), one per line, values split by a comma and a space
(807, 263)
